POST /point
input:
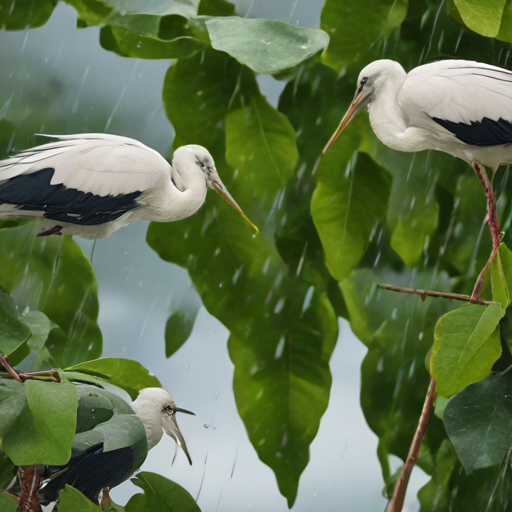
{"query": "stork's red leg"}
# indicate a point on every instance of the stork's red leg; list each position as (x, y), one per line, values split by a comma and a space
(29, 481)
(493, 225)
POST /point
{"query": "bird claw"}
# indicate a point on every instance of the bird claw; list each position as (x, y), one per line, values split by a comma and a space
(55, 230)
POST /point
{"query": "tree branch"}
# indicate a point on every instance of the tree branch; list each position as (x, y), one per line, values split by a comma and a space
(397, 500)
(428, 293)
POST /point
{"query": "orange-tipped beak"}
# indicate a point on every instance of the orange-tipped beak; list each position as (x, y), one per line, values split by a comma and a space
(351, 112)
(219, 187)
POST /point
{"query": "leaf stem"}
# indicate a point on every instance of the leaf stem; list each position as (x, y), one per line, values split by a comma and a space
(442, 295)
(397, 500)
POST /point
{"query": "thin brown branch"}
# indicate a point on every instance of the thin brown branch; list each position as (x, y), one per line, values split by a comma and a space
(429, 293)
(12, 372)
(397, 500)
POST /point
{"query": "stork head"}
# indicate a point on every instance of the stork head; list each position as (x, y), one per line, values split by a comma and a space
(157, 410)
(370, 79)
(200, 157)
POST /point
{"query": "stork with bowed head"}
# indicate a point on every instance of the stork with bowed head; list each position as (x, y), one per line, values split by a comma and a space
(112, 441)
(93, 184)
(460, 107)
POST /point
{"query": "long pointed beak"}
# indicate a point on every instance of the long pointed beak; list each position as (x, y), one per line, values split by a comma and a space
(171, 429)
(356, 106)
(219, 187)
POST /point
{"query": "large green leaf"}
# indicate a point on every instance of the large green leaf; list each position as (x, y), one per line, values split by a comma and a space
(264, 45)
(282, 385)
(44, 431)
(71, 500)
(23, 14)
(466, 345)
(478, 421)
(125, 373)
(8, 503)
(354, 27)
(482, 16)
(160, 494)
(398, 330)
(196, 96)
(13, 331)
(346, 210)
(40, 327)
(52, 275)
(177, 330)
(260, 141)
(12, 403)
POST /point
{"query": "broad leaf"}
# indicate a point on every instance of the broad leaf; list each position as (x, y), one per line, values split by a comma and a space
(177, 330)
(66, 289)
(12, 403)
(478, 421)
(23, 14)
(264, 45)
(355, 27)
(346, 210)
(196, 96)
(125, 373)
(466, 345)
(160, 494)
(72, 500)
(13, 331)
(398, 330)
(260, 141)
(8, 503)
(44, 431)
(484, 17)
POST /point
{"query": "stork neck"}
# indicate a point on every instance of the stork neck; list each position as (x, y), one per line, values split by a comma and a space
(151, 419)
(388, 120)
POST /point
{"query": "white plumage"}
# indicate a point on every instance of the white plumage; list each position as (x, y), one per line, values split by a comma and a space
(463, 108)
(93, 184)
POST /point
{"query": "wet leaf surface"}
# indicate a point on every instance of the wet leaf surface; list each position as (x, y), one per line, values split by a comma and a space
(13, 331)
(42, 433)
(478, 421)
(160, 494)
(71, 500)
(265, 45)
(124, 373)
(466, 345)
(52, 275)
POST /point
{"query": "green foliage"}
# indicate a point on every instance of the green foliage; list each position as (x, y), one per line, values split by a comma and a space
(8, 503)
(71, 500)
(466, 345)
(177, 330)
(124, 373)
(43, 431)
(347, 208)
(265, 46)
(22, 14)
(160, 494)
(478, 422)
(13, 331)
(66, 285)
(331, 230)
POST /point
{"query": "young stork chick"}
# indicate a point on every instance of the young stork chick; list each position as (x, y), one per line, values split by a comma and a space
(112, 441)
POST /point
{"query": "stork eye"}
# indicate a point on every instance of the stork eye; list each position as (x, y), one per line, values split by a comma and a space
(169, 409)
(364, 80)
(202, 165)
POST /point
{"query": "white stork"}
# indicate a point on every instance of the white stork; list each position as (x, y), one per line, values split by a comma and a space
(463, 108)
(93, 184)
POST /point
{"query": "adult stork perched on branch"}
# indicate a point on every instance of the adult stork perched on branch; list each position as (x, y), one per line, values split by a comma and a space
(460, 107)
(93, 184)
